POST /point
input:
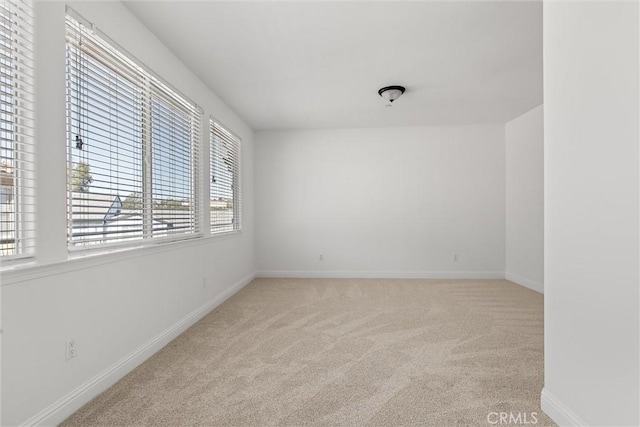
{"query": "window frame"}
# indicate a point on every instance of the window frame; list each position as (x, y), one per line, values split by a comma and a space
(151, 87)
(19, 141)
(236, 141)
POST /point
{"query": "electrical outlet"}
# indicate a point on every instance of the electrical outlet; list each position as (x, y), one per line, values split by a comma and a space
(321, 257)
(455, 257)
(71, 349)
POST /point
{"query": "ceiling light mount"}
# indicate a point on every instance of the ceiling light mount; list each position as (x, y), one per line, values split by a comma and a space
(391, 93)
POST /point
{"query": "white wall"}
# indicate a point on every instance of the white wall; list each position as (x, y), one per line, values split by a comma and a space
(525, 199)
(396, 202)
(592, 213)
(119, 307)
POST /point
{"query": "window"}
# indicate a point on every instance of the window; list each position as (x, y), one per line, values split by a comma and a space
(224, 158)
(132, 147)
(17, 204)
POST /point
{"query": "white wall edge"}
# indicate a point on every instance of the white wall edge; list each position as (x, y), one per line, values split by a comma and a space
(527, 283)
(58, 411)
(525, 113)
(382, 274)
(557, 411)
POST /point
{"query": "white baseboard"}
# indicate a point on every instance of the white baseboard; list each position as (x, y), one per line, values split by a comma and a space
(557, 411)
(383, 274)
(527, 283)
(57, 412)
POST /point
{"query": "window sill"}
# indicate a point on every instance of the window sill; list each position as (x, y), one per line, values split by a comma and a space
(30, 270)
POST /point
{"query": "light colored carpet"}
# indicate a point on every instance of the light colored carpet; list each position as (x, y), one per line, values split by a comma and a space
(343, 352)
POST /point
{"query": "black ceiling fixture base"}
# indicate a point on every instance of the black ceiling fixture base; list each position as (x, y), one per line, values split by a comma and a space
(384, 89)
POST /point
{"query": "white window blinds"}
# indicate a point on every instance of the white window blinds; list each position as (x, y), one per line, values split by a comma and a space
(132, 147)
(224, 159)
(17, 202)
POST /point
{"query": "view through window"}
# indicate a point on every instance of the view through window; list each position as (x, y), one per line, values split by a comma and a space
(224, 206)
(132, 147)
(17, 210)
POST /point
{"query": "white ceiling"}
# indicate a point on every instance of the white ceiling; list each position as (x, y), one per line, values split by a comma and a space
(284, 65)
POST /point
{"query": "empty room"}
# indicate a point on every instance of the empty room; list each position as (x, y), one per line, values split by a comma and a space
(336, 213)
